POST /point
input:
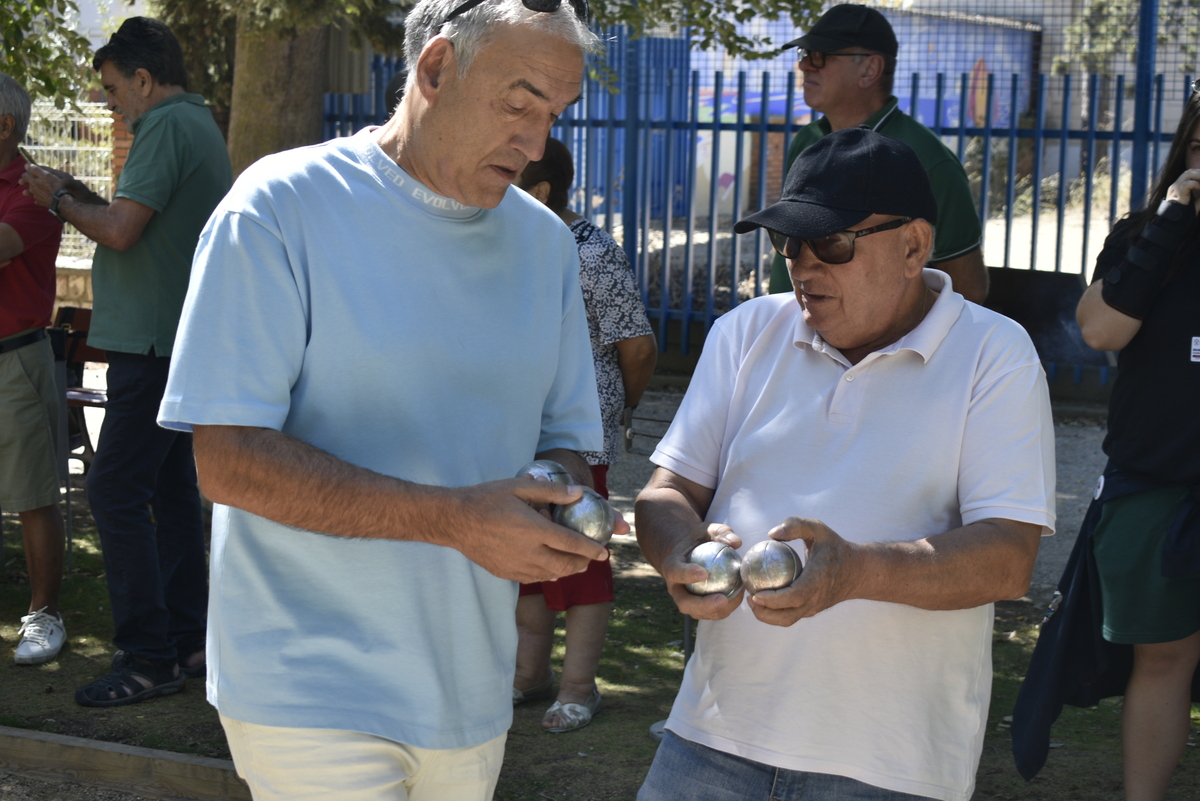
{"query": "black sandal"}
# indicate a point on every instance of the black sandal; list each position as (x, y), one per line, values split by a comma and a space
(121, 685)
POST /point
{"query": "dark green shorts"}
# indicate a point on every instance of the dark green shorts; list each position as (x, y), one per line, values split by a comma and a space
(1140, 606)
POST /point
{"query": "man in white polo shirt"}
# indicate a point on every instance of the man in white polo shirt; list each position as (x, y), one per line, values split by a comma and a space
(902, 439)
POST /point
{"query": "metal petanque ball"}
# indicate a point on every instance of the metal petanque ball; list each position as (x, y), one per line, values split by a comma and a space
(547, 469)
(769, 565)
(724, 569)
(592, 516)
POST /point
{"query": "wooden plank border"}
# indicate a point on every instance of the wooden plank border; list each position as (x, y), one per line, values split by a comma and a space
(144, 771)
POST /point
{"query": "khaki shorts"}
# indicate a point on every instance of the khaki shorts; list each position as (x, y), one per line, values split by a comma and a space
(28, 429)
(282, 764)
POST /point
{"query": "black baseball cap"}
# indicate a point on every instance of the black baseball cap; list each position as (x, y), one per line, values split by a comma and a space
(849, 25)
(843, 179)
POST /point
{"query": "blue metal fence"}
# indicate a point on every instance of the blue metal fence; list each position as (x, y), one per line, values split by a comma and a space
(708, 147)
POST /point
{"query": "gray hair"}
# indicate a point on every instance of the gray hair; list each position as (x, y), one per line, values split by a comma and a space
(469, 32)
(14, 101)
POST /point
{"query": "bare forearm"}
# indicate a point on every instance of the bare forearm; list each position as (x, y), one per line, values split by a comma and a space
(1102, 326)
(281, 478)
(636, 358)
(666, 512)
(100, 222)
(987, 561)
(11, 244)
(284, 479)
(959, 569)
(576, 465)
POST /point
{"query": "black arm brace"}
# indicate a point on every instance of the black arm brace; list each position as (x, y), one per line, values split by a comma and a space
(1130, 287)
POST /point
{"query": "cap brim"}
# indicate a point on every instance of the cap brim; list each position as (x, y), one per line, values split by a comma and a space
(800, 219)
(822, 44)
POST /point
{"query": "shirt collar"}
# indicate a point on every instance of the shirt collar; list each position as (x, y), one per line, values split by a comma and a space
(922, 340)
(874, 122)
(181, 97)
(12, 173)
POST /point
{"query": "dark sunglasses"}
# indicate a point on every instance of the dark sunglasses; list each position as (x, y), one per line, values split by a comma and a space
(817, 57)
(544, 6)
(833, 249)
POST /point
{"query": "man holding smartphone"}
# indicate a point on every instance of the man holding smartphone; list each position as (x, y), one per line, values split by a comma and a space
(142, 484)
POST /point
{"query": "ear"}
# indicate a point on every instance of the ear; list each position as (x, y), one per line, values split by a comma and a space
(918, 245)
(872, 71)
(541, 191)
(436, 62)
(143, 82)
(8, 124)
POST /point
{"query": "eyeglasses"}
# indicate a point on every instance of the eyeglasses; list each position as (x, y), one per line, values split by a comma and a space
(544, 6)
(836, 248)
(817, 57)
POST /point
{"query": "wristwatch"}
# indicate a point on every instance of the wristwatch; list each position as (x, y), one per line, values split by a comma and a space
(58, 195)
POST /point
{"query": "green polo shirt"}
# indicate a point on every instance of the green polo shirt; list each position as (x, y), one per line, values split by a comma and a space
(178, 166)
(957, 232)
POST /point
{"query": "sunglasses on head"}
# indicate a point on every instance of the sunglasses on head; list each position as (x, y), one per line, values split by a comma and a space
(836, 248)
(544, 6)
(817, 57)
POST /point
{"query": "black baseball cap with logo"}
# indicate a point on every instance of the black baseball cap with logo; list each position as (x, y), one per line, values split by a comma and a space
(842, 180)
(849, 25)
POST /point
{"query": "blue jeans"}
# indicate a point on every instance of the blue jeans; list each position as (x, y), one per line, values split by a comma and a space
(143, 493)
(683, 769)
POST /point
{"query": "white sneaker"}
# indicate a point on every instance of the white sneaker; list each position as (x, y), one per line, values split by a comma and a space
(42, 637)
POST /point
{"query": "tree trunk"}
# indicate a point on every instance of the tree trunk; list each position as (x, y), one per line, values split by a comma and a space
(278, 92)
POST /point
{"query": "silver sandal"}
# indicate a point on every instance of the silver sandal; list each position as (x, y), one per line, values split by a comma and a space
(576, 715)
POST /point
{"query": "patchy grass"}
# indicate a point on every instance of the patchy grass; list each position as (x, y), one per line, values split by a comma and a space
(639, 674)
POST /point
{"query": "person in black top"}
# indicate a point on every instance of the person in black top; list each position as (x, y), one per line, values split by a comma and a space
(1145, 302)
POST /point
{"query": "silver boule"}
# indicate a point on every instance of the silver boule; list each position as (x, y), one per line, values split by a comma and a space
(547, 469)
(769, 565)
(724, 569)
(592, 516)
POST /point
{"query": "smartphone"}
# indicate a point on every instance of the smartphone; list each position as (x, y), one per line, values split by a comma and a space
(25, 155)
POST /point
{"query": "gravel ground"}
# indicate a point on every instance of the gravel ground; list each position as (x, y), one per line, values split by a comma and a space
(1079, 458)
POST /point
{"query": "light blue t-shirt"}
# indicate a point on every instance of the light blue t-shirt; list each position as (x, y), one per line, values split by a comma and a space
(336, 299)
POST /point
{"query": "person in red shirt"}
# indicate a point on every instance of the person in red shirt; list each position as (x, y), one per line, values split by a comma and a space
(29, 240)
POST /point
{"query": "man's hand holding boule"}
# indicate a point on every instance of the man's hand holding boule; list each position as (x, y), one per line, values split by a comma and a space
(828, 578)
(497, 527)
(678, 572)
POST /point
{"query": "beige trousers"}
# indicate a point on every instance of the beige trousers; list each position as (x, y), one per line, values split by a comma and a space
(282, 764)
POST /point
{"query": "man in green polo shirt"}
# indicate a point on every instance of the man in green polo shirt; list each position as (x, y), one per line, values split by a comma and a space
(142, 483)
(848, 62)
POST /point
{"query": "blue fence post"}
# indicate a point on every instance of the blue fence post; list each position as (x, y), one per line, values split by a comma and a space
(1142, 99)
(735, 259)
(761, 167)
(1039, 139)
(689, 262)
(1010, 191)
(668, 207)
(1115, 164)
(985, 183)
(1089, 172)
(629, 181)
(1064, 140)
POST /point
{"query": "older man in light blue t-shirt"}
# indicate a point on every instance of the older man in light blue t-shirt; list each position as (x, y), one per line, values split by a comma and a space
(379, 333)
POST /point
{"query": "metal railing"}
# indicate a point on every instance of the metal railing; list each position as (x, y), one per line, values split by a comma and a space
(667, 170)
(81, 143)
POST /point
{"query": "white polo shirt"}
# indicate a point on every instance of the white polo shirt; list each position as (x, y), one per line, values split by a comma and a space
(945, 427)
